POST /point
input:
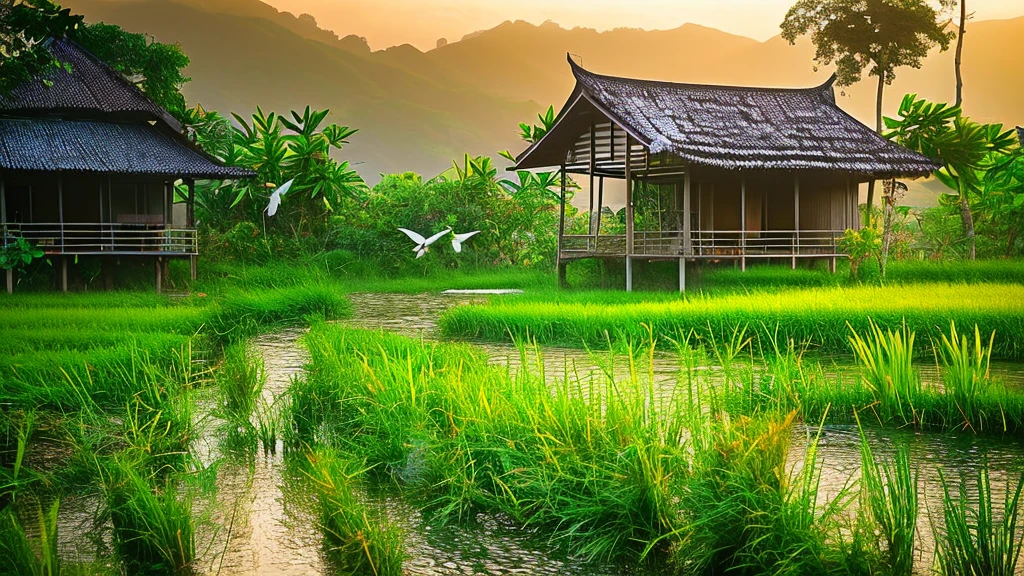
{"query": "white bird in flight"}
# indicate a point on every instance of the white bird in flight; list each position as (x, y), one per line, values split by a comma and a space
(423, 243)
(275, 198)
(458, 239)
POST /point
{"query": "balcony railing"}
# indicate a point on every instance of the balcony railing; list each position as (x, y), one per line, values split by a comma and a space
(105, 238)
(709, 244)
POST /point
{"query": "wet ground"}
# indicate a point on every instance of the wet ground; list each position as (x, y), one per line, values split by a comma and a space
(273, 530)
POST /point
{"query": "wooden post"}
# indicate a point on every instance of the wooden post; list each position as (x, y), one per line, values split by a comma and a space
(561, 230)
(600, 207)
(10, 280)
(3, 205)
(796, 217)
(159, 275)
(743, 223)
(190, 204)
(629, 215)
(60, 210)
(63, 273)
(593, 166)
(682, 275)
(687, 232)
(110, 211)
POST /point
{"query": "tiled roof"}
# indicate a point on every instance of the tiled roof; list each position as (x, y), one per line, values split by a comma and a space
(739, 128)
(50, 144)
(90, 89)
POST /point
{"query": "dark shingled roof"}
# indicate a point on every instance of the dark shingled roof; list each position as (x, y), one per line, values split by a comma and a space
(90, 89)
(96, 146)
(738, 128)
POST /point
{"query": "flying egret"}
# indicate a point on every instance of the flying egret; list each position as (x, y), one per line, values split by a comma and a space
(275, 198)
(458, 239)
(423, 243)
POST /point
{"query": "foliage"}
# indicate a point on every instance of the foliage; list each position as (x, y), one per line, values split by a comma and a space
(890, 493)
(852, 34)
(24, 27)
(887, 363)
(816, 318)
(860, 245)
(18, 254)
(966, 149)
(154, 67)
(517, 229)
(979, 542)
(279, 149)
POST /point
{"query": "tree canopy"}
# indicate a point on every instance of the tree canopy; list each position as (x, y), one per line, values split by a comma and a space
(25, 26)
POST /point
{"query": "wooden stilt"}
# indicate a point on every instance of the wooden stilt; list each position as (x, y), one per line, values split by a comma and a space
(63, 274)
(629, 274)
(561, 274)
(832, 264)
(629, 214)
(10, 281)
(743, 223)
(796, 218)
(159, 276)
(682, 275)
(193, 264)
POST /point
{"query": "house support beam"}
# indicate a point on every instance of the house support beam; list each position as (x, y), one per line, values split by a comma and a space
(593, 168)
(743, 223)
(159, 275)
(60, 211)
(629, 214)
(682, 275)
(63, 273)
(3, 232)
(796, 218)
(600, 207)
(687, 232)
(561, 230)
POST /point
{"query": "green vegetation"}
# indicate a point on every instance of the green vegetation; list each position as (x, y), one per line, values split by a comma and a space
(813, 318)
(980, 540)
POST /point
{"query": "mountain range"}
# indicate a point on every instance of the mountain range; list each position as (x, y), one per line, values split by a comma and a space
(417, 111)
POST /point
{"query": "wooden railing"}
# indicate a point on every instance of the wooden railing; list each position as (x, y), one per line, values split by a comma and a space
(708, 244)
(104, 238)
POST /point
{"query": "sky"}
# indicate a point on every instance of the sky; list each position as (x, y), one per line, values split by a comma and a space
(422, 22)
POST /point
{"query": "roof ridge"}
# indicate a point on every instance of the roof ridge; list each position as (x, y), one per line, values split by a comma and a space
(577, 69)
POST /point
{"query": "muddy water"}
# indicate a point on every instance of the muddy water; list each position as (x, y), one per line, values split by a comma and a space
(267, 527)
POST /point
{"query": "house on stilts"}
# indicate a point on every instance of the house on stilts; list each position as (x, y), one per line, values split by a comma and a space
(88, 167)
(721, 173)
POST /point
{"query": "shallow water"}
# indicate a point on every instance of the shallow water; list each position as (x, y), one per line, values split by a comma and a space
(262, 521)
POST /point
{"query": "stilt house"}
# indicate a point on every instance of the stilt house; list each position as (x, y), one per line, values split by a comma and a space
(718, 172)
(88, 166)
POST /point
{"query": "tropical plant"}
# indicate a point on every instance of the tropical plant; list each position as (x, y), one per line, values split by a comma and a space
(278, 149)
(890, 493)
(880, 35)
(860, 245)
(18, 254)
(966, 149)
(24, 26)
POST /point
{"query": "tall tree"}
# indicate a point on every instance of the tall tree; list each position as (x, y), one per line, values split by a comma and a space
(24, 25)
(958, 60)
(879, 35)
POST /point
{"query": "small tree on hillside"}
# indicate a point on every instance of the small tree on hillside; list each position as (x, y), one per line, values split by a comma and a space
(880, 35)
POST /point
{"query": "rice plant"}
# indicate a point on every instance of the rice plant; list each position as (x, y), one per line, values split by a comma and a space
(358, 541)
(151, 518)
(887, 365)
(980, 541)
(818, 317)
(890, 490)
(18, 553)
(965, 369)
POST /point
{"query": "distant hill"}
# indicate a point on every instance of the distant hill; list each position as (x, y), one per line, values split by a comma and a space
(419, 110)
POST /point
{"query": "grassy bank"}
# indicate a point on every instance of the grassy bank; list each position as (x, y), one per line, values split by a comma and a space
(815, 317)
(693, 474)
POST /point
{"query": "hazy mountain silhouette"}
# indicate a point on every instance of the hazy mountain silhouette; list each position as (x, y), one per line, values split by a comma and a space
(419, 110)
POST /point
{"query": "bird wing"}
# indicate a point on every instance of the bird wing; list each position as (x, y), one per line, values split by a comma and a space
(466, 236)
(284, 188)
(420, 252)
(436, 237)
(275, 201)
(456, 244)
(413, 236)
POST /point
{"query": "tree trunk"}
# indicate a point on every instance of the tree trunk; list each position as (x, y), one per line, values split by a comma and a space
(968, 221)
(889, 209)
(959, 52)
(878, 128)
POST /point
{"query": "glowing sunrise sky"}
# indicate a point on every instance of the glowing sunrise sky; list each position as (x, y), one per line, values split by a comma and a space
(421, 22)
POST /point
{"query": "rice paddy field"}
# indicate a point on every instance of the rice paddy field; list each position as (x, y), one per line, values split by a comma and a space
(287, 423)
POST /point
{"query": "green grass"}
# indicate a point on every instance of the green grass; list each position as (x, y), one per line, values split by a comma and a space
(978, 539)
(816, 318)
(890, 492)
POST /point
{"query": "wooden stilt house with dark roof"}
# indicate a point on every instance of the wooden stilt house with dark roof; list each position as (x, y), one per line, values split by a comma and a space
(721, 172)
(88, 166)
